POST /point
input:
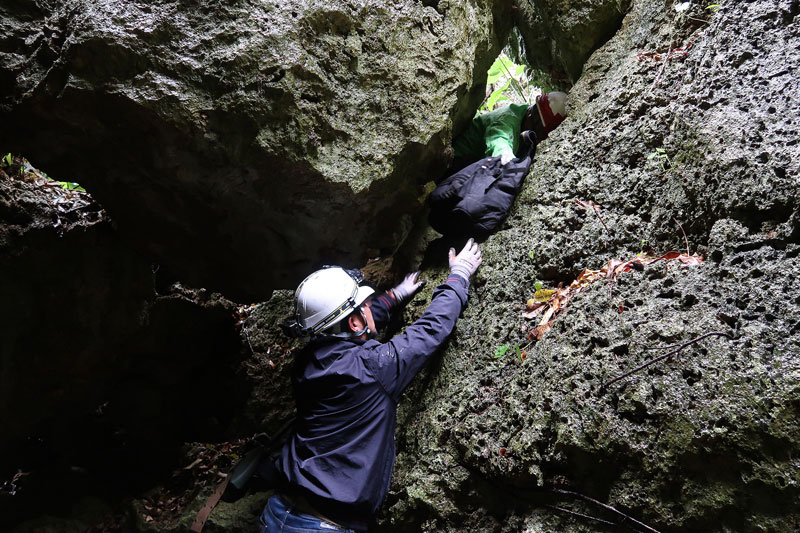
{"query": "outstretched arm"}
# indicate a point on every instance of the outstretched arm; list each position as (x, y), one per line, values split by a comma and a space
(398, 361)
(385, 304)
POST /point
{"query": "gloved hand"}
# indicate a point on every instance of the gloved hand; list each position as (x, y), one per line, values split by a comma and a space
(505, 157)
(408, 287)
(467, 261)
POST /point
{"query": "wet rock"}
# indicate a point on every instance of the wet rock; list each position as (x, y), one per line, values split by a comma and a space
(243, 144)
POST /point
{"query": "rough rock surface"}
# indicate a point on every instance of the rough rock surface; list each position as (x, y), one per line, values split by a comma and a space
(704, 442)
(682, 121)
(560, 35)
(242, 143)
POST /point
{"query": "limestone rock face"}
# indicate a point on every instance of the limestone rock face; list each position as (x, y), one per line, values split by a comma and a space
(683, 121)
(707, 441)
(243, 143)
(560, 35)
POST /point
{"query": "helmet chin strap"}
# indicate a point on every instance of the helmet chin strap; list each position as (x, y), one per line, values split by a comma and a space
(353, 334)
(370, 334)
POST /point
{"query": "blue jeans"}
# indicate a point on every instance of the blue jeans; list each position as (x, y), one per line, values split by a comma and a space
(278, 516)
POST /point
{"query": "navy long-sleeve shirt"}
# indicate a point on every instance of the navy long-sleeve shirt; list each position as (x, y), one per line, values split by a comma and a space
(341, 456)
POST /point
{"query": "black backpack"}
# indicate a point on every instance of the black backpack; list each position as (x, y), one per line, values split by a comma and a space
(474, 201)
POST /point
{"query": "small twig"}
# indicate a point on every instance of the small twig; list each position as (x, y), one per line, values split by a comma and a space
(247, 336)
(515, 84)
(581, 515)
(663, 65)
(698, 20)
(661, 70)
(605, 506)
(684, 235)
(601, 218)
(671, 346)
(664, 356)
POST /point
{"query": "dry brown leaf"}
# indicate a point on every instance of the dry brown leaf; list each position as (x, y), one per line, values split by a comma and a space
(534, 313)
(532, 304)
(615, 268)
(587, 204)
(558, 299)
(691, 260)
(542, 295)
(546, 318)
(538, 331)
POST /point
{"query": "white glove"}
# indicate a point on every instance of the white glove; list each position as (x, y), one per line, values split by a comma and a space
(408, 287)
(505, 157)
(467, 261)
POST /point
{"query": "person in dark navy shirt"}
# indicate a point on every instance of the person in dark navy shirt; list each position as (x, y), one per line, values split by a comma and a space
(337, 466)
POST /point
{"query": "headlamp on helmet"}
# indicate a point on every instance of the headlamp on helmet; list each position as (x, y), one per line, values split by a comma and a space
(324, 298)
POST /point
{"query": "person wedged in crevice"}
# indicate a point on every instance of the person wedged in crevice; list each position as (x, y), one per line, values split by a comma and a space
(492, 158)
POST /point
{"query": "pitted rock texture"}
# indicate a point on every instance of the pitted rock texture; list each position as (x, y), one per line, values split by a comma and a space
(683, 121)
(707, 441)
(244, 143)
(560, 35)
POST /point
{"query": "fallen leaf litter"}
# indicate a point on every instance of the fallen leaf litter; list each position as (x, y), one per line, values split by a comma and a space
(550, 303)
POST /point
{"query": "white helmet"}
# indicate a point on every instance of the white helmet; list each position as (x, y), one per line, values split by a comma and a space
(327, 296)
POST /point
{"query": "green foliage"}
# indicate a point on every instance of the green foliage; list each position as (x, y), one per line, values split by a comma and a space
(531, 254)
(501, 350)
(502, 75)
(532, 78)
(660, 155)
(714, 7)
(503, 66)
(538, 285)
(543, 80)
(497, 96)
(508, 82)
(70, 186)
(26, 167)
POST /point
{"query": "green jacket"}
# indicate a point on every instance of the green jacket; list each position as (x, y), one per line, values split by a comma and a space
(492, 133)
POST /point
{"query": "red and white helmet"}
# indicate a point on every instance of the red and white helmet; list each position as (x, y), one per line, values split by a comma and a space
(552, 109)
